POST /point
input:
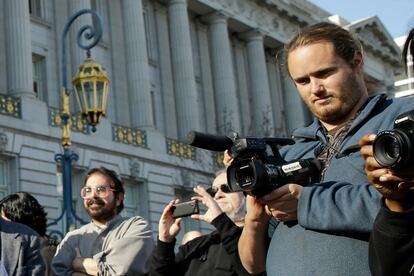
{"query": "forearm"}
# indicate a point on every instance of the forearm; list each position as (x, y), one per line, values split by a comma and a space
(321, 206)
(401, 205)
(253, 246)
(163, 259)
(85, 265)
(392, 242)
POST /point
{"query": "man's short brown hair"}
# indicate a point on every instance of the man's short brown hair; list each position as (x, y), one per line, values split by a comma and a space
(344, 42)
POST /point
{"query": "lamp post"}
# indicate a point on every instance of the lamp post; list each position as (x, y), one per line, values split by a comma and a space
(91, 90)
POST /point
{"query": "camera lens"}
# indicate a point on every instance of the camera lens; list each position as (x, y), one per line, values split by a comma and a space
(388, 148)
(245, 176)
(391, 148)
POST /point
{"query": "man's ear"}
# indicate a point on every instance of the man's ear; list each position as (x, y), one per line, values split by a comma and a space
(119, 198)
(358, 59)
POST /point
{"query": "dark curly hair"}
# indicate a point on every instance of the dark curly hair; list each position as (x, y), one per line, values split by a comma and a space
(22, 207)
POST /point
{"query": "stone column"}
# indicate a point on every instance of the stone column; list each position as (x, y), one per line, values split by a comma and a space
(183, 68)
(263, 123)
(137, 65)
(166, 75)
(241, 73)
(18, 47)
(228, 116)
(209, 107)
(276, 88)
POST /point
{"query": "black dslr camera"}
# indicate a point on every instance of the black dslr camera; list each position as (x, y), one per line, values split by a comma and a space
(395, 148)
(253, 170)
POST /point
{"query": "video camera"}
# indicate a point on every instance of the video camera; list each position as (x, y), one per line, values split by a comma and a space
(395, 148)
(253, 169)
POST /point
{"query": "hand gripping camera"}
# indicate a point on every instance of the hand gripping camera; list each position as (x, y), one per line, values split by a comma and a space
(253, 170)
(395, 148)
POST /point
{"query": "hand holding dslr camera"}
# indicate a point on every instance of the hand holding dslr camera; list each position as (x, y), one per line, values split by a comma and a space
(394, 149)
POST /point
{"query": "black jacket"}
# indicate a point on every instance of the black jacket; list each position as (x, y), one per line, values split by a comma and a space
(391, 248)
(209, 255)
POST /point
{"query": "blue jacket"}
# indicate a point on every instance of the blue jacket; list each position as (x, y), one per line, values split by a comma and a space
(20, 249)
(336, 215)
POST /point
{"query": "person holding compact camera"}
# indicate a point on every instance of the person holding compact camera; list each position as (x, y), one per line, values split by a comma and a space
(322, 228)
(390, 169)
(212, 254)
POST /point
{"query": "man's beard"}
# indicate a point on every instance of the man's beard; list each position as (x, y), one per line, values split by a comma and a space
(345, 104)
(103, 214)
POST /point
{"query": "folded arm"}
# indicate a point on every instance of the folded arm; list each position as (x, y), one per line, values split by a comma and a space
(129, 255)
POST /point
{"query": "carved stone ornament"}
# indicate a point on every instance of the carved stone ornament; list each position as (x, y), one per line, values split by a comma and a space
(3, 140)
(186, 177)
(134, 168)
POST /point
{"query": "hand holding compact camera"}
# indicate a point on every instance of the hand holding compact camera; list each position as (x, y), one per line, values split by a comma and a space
(185, 209)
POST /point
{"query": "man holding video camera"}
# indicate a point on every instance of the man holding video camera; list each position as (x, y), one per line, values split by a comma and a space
(212, 254)
(322, 228)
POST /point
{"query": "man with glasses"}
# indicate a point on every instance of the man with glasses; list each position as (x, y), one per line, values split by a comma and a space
(212, 254)
(109, 244)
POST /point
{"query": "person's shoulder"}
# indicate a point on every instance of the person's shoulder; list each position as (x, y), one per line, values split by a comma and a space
(306, 132)
(79, 231)
(134, 221)
(203, 241)
(17, 228)
(133, 226)
(407, 103)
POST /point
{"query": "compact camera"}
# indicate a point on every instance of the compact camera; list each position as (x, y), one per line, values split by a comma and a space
(185, 209)
(395, 148)
(253, 169)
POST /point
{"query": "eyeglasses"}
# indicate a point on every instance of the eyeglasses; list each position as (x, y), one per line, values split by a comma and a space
(213, 190)
(101, 191)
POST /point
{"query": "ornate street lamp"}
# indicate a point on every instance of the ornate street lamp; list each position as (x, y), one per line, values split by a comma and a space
(91, 89)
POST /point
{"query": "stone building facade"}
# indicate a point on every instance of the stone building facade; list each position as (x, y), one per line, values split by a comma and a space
(175, 66)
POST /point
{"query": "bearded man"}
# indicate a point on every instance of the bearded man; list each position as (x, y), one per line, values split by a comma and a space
(109, 244)
(323, 228)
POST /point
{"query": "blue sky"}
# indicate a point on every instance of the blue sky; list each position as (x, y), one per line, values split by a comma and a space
(396, 15)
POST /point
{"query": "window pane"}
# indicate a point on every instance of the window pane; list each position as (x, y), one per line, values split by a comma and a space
(4, 188)
(131, 200)
(38, 63)
(77, 201)
(89, 94)
(99, 90)
(35, 8)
